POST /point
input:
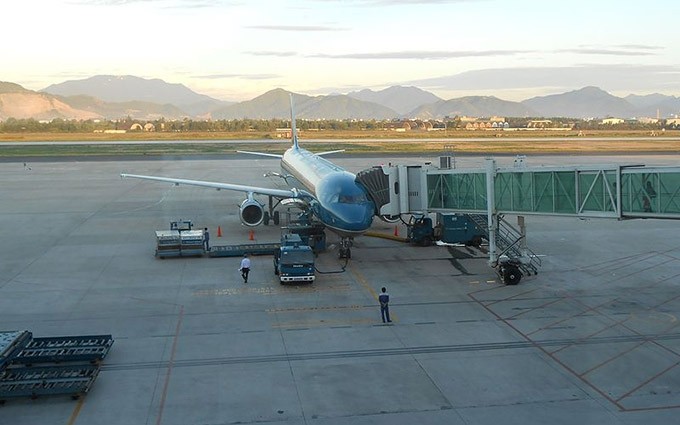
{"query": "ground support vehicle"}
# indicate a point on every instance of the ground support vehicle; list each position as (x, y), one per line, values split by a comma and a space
(294, 261)
(33, 367)
(450, 228)
(239, 250)
(180, 240)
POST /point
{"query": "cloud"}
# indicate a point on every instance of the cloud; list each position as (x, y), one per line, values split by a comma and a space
(397, 2)
(271, 53)
(183, 4)
(237, 76)
(303, 28)
(420, 54)
(605, 52)
(639, 47)
(617, 50)
(608, 77)
(113, 2)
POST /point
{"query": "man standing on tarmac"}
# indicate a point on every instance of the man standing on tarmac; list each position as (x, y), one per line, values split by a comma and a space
(206, 239)
(245, 268)
(384, 299)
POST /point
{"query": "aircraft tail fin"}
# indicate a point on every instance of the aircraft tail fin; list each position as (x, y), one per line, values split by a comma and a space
(292, 123)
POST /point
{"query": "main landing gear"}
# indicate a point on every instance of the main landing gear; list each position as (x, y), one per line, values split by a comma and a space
(346, 247)
(274, 216)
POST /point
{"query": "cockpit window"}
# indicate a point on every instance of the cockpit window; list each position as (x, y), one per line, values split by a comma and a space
(342, 189)
(352, 199)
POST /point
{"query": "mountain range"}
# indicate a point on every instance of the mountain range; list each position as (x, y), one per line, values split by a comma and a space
(115, 97)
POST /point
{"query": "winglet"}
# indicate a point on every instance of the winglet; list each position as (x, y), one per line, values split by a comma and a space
(292, 123)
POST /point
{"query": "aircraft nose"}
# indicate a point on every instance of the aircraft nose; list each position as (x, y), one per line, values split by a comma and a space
(361, 217)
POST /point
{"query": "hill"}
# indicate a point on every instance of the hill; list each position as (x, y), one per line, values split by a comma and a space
(115, 97)
(18, 102)
(276, 104)
(653, 104)
(398, 98)
(128, 88)
(472, 106)
(584, 103)
(133, 109)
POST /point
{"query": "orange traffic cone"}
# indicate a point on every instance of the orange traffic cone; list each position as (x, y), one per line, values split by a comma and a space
(252, 235)
(219, 231)
(396, 231)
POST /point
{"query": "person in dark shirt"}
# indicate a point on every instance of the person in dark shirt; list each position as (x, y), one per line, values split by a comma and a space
(384, 299)
(206, 239)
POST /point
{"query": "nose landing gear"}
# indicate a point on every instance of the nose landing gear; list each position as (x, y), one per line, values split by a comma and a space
(346, 247)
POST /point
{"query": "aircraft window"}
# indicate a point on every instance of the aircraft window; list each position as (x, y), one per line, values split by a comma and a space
(355, 198)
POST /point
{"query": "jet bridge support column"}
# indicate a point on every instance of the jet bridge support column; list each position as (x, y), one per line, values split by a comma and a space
(523, 233)
(492, 218)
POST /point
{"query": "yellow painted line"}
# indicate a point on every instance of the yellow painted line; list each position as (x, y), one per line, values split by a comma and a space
(363, 282)
(171, 363)
(319, 323)
(308, 309)
(76, 410)
(386, 236)
(269, 290)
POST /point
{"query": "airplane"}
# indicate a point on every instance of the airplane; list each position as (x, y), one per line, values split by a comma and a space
(328, 191)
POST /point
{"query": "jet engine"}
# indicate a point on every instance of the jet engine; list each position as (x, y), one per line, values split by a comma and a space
(390, 218)
(251, 212)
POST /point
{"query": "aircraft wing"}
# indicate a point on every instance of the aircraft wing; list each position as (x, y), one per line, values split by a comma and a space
(328, 152)
(280, 193)
(274, 155)
(271, 155)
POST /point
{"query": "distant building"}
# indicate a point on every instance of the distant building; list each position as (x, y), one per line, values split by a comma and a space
(493, 123)
(539, 124)
(414, 125)
(613, 121)
(285, 133)
(673, 122)
(149, 127)
(646, 120)
(438, 126)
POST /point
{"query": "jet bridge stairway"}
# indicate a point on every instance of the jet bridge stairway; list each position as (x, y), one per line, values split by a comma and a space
(377, 184)
(515, 258)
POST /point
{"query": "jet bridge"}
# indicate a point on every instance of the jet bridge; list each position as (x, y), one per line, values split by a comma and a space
(608, 191)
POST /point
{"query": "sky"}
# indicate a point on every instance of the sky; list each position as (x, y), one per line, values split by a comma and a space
(236, 50)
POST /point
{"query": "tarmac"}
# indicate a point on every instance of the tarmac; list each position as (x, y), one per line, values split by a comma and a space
(592, 339)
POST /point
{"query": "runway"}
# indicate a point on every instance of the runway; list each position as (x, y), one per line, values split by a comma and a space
(593, 338)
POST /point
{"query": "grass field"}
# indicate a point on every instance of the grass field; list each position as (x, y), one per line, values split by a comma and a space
(470, 142)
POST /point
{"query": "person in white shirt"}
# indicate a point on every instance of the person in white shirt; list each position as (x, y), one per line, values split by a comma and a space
(245, 268)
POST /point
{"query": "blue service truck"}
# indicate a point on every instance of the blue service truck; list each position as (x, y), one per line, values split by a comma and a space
(294, 261)
(451, 228)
